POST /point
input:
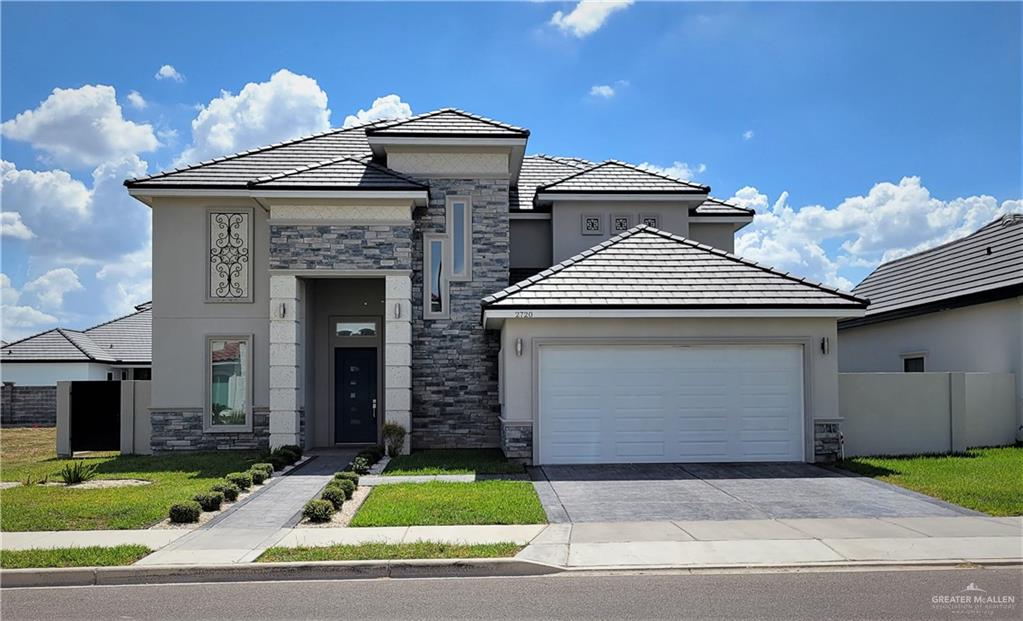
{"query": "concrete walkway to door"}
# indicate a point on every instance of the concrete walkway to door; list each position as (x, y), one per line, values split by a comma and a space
(244, 531)
(749, 491)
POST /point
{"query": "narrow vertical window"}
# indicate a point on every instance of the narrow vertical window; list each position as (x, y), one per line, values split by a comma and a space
(229, 367)
(459, 226)
(435, 302)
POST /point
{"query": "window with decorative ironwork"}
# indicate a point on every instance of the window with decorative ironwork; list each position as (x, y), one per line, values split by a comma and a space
(230, 269)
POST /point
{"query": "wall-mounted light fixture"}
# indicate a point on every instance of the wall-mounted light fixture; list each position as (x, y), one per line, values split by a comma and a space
(283, 312)
(825, 345)
(397, 310)
(518, 347)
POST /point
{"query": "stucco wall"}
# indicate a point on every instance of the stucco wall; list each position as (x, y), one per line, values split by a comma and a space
(49, 373)
(566, 221)
(519, 392)
(713, 234)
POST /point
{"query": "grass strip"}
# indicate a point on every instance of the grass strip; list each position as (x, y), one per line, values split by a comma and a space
(390, 551)
(439, 504)
(93, 556)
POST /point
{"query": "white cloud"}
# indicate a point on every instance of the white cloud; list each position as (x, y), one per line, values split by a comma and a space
(168, 72)
(287, 106)
(16, 320)
(678, 170)
(50, 288)
(9, 296)
(602, 90)
(12, 226)
(386, 107)
(127, 281)
(81, 127)
(587, 17)
(890, 221)
(747, 135)
(137, 101)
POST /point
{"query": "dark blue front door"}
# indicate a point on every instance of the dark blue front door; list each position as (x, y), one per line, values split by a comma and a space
(355, 394)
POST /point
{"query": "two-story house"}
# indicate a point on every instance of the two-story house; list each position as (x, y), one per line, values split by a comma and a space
(426, 272)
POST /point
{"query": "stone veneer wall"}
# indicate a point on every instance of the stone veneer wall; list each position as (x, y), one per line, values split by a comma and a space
(517, 440)
(827, 440)
(181, 430)
(28, 406)
(454, 361)
(340, 246)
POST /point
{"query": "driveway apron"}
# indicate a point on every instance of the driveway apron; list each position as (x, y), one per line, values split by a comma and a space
(244, 531)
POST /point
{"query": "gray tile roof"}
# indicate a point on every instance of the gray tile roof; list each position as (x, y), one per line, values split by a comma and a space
(717, 207)
(538, 170)
(649, 268)
(615, 176)
(125, 340)
(448, 122)
(982, 262)
(338, 173)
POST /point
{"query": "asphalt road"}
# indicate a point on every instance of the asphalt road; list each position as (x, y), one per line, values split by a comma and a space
(832, 595)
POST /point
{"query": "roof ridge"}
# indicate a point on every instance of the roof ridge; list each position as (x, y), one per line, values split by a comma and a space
(558, 159)
(573, 175)
(657, 174)
(300, 169)
(110, 321)
(469, 115)
(944, 245)
(727, 204)
(269, 147)
(62, 331)
(31, 336)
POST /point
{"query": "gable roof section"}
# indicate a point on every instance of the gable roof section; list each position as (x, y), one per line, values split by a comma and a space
(538, 170)
(717, 207)
(449, 122)
(125, 340)
(618, 177)
(983, 263)
(343, 172)
(646, 268)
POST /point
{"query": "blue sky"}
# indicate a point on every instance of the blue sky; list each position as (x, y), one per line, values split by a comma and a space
(860, 131)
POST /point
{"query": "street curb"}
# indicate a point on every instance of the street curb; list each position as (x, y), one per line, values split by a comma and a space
(252, 572)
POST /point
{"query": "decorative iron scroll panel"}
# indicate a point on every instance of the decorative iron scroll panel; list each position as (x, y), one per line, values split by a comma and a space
(229, 255)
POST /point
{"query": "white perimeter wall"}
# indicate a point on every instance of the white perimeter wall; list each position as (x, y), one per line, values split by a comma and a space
(49, 373)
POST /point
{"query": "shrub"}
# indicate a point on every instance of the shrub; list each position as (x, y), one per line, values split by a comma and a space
(258, 476)
(294, 448)
(394, 437)
(318, 510)
(243, 480)
(334, 495)
(369, 455)
(279, 462)
(185, 512)
(359, 465)
(344, 485)
(351, 476)
(229, 490)
(209, 501)
(286, 454)
(266, 467)
(77, 472)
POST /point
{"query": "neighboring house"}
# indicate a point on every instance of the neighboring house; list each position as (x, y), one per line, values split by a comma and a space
(31, 367)
(957, 307)
(309, 291)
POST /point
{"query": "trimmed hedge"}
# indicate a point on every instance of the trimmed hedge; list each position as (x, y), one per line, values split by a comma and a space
(209, 501)
(345, 486)
(318, 510)
(228, 489)
(334, 495)
(266, 467)
(294, 448)
(185, 512)
(258, 476)
(241, 479)
(351, 476)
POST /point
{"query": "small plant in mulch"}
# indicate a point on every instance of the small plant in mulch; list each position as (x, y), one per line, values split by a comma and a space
(394, 438)
(318, 510)
(185, 512)
(351, 476)
(258, 476)
(209, 501)
(359, 465)
(229, 490)
(242, 479)
(334, 495)
(345, 485)
(77, 472)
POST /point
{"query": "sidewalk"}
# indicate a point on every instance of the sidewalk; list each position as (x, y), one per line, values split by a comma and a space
(745, 543)
(244, 531)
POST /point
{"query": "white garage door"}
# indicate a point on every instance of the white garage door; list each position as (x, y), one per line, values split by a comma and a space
(625, 404)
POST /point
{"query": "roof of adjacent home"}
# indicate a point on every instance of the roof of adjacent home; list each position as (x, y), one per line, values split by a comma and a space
(125, 340)
(982, 266)
(447, 122)
(646, 268)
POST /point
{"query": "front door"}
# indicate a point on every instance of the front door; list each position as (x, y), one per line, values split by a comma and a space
(355, 394)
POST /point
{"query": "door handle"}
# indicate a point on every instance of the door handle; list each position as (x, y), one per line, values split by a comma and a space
(374, 409)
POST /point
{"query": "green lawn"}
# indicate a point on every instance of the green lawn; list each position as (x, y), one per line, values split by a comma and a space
(386, 551)
(438, 503)
(94, 556)
(985, 479)
(175, 478)
(453, 461)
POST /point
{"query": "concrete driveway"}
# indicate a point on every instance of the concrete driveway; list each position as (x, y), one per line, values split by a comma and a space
(654, 492)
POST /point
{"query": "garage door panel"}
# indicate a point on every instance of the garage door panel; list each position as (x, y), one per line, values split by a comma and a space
(656, 404)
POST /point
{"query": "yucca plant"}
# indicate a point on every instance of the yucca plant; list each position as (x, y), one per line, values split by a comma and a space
(77, 472)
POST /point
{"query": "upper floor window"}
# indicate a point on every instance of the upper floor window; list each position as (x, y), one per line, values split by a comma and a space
(435, 289)
(459, 227)
(913, 364)
(229, 275)
(229, 388)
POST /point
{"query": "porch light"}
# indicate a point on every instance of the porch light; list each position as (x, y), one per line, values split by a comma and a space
(518, 347)
(825, 345)
(283, 310)
(397, 310)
